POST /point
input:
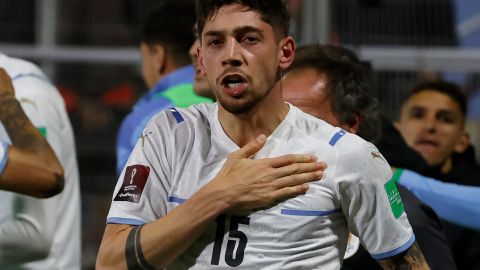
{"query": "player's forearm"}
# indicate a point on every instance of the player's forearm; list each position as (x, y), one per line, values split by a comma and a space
(164, 240)
(458, 204)
(32, 147)
(25, 136)
(186, 223)
(34, 181)
(410, 259)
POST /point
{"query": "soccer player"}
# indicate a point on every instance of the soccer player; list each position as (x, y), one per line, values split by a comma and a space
(432, 122)
(41, 234)
(165, 42)
(29, 166)
(183, 201)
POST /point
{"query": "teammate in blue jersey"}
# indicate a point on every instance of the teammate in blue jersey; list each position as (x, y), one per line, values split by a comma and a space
(237, 184)
(165, 42)
(28, 166)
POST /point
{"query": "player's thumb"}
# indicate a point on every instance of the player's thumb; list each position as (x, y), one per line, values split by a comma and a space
(251, 147)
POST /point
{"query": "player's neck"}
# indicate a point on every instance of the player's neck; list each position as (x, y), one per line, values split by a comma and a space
(264, 118)
(447, 166)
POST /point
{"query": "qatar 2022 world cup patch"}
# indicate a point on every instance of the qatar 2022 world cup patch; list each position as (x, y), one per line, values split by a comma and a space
(134, 181)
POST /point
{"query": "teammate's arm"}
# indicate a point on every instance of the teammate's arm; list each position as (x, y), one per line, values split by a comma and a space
(412, 258)
(32, 167)
(458, 204)
(242, 183)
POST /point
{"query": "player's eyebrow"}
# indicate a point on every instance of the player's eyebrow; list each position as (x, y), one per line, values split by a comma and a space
(236, 31)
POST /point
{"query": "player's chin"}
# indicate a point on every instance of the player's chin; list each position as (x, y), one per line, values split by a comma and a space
(238, 106)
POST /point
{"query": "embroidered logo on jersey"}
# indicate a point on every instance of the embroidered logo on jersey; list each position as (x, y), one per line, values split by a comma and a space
(145, 136)
(376, 154)
(134, 181)
(394, 198)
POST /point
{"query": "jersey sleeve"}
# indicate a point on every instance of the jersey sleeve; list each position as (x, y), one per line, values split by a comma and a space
(132, 127)
(458, 204)
(370, 200)
(141, 192)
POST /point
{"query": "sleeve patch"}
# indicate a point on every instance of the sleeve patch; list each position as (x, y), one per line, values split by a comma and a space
(394, 198)
(134, 181)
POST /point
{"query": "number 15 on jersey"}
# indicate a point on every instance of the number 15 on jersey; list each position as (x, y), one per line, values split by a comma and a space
(233, 256)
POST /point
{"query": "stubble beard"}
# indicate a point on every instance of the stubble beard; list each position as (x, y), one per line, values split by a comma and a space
(240, 106)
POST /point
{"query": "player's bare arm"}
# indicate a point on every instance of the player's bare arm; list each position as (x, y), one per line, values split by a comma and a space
(410, 259)
(241, 184)
(32, 167)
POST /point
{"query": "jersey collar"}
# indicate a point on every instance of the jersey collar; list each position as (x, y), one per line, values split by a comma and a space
(274, 140)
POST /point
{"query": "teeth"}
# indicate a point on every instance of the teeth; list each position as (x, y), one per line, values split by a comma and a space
(233, 85)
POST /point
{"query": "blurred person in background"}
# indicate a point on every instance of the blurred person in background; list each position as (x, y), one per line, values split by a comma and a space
(200, 84)
(332, 84)
(432, 123)
(41, 234)
(28, 166)
(166, 69)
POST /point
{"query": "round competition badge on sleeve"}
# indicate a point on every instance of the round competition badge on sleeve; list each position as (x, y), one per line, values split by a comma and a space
(134, 181)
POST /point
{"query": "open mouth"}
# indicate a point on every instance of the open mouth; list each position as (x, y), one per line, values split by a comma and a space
(234, 84)
(427, 142)
(233, 81)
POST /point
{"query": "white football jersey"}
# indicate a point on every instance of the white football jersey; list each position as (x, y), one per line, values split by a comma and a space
(182, 150)
(26, 221)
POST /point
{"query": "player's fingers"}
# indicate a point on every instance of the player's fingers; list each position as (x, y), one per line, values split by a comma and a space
(286, 160)
(250, 148)
(298, 168)
(289, 192)
(6, 86)
(298, 179)
(3, 73)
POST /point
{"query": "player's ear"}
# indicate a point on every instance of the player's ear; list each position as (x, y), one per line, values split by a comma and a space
(286, 52)
(353, 126)
(462, 143)
(200, 60)
(158, 53)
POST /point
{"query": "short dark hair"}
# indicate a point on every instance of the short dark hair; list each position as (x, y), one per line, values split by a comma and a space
(348, 84)
(170, 25)
(273, 12)
(448, 88)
